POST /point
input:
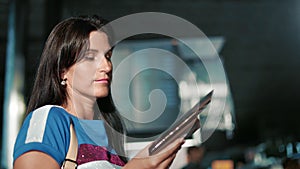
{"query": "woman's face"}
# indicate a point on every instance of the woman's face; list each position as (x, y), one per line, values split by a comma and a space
(91, 76)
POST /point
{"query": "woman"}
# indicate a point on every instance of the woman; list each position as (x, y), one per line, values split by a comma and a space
(75, 74)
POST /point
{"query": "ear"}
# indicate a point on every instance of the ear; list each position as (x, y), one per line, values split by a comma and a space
(64, 75)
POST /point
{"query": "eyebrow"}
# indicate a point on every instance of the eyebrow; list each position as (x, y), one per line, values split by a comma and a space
(91, 50)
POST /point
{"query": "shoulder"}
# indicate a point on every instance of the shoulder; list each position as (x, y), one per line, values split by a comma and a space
(50, 112)
(47, 112)
(45, 129)
(45, 119)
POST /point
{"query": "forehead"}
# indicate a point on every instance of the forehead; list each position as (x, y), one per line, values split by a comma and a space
(98, 40)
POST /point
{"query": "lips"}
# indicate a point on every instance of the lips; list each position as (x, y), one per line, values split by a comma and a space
(103, 80)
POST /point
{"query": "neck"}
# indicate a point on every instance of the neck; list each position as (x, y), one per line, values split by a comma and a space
(80, 106)
(81, 111)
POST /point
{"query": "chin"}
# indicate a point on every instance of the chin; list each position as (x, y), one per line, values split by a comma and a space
(101, 94)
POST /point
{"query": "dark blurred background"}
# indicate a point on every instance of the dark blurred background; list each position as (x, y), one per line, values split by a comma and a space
(260, 56)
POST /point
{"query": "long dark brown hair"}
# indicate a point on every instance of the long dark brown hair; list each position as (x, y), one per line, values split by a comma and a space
(62, 50)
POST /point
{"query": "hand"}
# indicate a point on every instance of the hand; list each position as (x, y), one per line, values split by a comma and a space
(161, 160)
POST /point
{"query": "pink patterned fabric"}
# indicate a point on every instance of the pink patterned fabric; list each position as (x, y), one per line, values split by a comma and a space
(89, 153)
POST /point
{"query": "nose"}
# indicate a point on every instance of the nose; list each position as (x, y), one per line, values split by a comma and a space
(105, 65)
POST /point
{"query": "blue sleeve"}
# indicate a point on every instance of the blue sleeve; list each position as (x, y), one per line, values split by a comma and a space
(47, 130)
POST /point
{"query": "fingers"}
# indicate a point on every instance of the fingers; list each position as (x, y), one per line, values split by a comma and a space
(175, 146)
(172, 148)
(166, 157)
(167, 162)
(161, 160)
(169, 154)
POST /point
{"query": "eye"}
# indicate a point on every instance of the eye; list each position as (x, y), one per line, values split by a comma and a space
(89, 57)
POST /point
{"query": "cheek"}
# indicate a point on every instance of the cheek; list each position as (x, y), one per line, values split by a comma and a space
(84, 75)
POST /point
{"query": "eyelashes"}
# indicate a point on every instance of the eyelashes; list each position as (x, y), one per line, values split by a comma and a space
(92, 55)
(90, 58)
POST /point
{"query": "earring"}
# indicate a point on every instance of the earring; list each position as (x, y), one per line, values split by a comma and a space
(63, 82)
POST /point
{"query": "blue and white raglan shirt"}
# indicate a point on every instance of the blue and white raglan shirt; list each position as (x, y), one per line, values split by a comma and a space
(47, 129)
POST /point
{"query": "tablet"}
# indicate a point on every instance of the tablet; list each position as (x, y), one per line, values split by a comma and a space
(183, 127)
